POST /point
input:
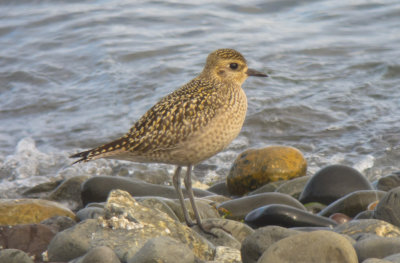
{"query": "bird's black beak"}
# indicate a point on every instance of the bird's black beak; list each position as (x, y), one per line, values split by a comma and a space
(255, 73)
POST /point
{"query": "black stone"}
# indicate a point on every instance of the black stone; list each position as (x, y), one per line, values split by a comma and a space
(238, 208)
(353, 203)
(333, 182)
(286, 216)
(96, 189)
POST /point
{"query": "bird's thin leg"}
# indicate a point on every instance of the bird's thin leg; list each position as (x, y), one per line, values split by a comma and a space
(176, 180)
(188, 185)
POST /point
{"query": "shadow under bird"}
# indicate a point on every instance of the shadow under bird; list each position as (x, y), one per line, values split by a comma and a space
(189, 125)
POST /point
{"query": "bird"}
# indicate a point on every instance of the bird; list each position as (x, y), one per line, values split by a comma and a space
(189, 125)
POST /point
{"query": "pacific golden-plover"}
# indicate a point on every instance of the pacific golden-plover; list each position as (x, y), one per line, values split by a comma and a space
(189, 125)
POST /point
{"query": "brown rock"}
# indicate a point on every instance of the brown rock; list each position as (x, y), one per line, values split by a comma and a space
(257, 167)
(32, 239)
(27, 211)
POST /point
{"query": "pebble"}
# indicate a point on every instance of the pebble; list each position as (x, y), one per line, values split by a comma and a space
(69, 192)
(100, 254)
(163, 249)
(286, 216)
(256, 167)
(389, 182)
(26, 211)
(59, 223)
(226, 255)
(388, 208)
(293, 187)
(262, 238)
(316, 246)
(269, 187)
(14, 256)
(238, 208)
(89, 213)
(333, 182)
(377, 247)
(33, 239)
(97, 189)
(125, 228)
(219, 188)
(353, 203)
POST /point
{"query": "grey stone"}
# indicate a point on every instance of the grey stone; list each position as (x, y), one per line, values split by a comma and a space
(293, 187)
(163, 250)
(59, 223)
(258, 242)
(269, 187)
(317, 246)
(377, 247)
(100, 254)
(358, 228)
(11, 255)
(389, 182)
(89, 213)
(388, 209)
(69, 192)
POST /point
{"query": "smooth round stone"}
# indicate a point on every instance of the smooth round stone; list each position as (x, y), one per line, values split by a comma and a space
(226, 254)
(59, 223)
(293, 187)
(333, 182)
(100, 254)
(30, 238)
(258, 242)
(69, 192)
(392, 258)
(388, 209)
(353, 203)
(257, 167)
(286, 216)
(238, 208)
(97, 188)
(14, 256)
(358, 228)
(340, 218)
(163, 249)
(89, 213)
(27, 211)
(364, 215)
(219, 188)
(389, 182)
(316, 246)
(377, 247)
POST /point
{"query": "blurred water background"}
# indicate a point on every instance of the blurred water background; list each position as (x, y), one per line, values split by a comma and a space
(76, 74)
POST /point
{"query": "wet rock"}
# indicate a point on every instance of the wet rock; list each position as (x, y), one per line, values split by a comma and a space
(238, 208)
(388, 209)
(14, 256)
(286, 216)
(26, 211)
(333, 182)
(257, 167)
(353, 203)
(267, 188)
(294, 187)
(89, 213)
(258, 242)
(100, 254)
(164, 250)
(358, 228)
(59, 223)
(389, 182)
(33, 239)
(228, 233)
(219, 188)
(377, 247)
(340, 218)
(125, 227)
(96, 189)
(316, 246)
(69, 192)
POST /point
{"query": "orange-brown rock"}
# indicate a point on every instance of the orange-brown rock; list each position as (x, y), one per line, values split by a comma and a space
(28, 211)
(255, 167)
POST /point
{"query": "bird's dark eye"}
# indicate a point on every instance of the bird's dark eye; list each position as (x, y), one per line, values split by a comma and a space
(233, 65)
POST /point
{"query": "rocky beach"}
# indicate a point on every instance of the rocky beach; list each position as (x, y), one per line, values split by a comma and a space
(267, 210)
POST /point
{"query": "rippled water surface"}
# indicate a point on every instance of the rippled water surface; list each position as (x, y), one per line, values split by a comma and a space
(76, 74)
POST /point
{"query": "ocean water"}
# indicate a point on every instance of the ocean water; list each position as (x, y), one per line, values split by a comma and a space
(76, 74)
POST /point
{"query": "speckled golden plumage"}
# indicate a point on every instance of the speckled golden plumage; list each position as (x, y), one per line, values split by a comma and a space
(191, 124)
